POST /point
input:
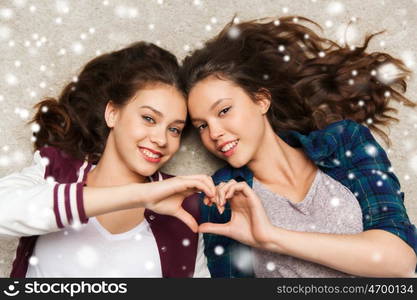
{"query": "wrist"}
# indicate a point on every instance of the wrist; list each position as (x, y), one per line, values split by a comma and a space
(137, 194)
(275, 243)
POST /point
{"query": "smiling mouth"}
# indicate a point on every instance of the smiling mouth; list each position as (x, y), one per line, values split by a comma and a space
(150, 155)
(229, 149)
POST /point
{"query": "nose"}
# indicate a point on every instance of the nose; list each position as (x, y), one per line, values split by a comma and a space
(159, 137)
(216, 131)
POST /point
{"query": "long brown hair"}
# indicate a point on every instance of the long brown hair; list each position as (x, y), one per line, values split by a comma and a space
(312, 81)
(75, 121)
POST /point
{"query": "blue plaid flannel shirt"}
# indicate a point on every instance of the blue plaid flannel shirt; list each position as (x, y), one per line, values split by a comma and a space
(342, 148)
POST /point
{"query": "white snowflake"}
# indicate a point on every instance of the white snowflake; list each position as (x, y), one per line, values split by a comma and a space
(33, 260)
(4, 161)
(347, 33)
(44, 161)
(335, 8)
(335, 202)
(219, 250)
(233, 32)
(87, 257)
(5, 33)
(376, 257)
(186, 242)
(328, 23)
(19, 3)
(149, 265)
(126, 11)
(387, 73)
(371, 150)
(270, 266)
(77, 48)
(62, 6)
(242, 259)
(6, 13)
(413, 163)
(50, 180)
(408, 58)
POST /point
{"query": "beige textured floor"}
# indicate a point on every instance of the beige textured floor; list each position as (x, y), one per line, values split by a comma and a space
(44, 43)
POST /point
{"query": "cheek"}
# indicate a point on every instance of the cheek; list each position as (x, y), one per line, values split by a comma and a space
(207, 141)
(174, 144)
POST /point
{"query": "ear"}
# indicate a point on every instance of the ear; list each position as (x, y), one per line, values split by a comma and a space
(110, 114)
(263, 100)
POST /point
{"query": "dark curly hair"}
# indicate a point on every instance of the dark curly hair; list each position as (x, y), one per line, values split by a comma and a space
(312, 81)
(75, 121)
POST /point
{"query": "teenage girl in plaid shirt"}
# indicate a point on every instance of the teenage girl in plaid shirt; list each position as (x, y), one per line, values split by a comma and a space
(307, 191)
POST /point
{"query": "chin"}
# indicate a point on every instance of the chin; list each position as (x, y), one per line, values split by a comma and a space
(146, 172)
(235, 162)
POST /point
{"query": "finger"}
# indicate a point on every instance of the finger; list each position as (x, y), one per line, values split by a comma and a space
(241, 187)
(199, 185)
(221, 229)
(219, 194)
(234, 188)
(223, 189)
(207, 180)
(207, 201)
(188, 219)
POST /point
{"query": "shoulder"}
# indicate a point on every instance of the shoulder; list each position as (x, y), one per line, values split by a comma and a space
(60, 165)
(328, 145)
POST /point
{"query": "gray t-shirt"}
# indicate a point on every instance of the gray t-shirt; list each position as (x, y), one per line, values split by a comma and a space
(329, 207)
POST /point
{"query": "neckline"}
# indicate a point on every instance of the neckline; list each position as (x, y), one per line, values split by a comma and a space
(118, 236)
(303, 202)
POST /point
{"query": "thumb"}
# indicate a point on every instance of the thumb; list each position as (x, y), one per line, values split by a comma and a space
(220, 229)
(188, 219)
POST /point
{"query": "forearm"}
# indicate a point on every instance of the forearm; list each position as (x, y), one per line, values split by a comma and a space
(101, 200)
(373, 253)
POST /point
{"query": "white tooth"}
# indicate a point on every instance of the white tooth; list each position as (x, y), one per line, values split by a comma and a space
(150, 154)
(229, 146)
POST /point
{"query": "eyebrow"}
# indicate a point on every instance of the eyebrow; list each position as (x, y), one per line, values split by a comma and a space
(161, 114)
(212, 107)
(153, 109)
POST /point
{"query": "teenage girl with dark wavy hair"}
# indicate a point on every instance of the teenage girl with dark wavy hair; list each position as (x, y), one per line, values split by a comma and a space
(94, 204)
(308, 191)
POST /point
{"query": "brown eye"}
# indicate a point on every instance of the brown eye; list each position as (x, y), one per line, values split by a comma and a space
(201, 127)
(224, 111)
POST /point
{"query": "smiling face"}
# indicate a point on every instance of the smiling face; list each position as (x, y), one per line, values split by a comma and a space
(145, 133)
(231, 124)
